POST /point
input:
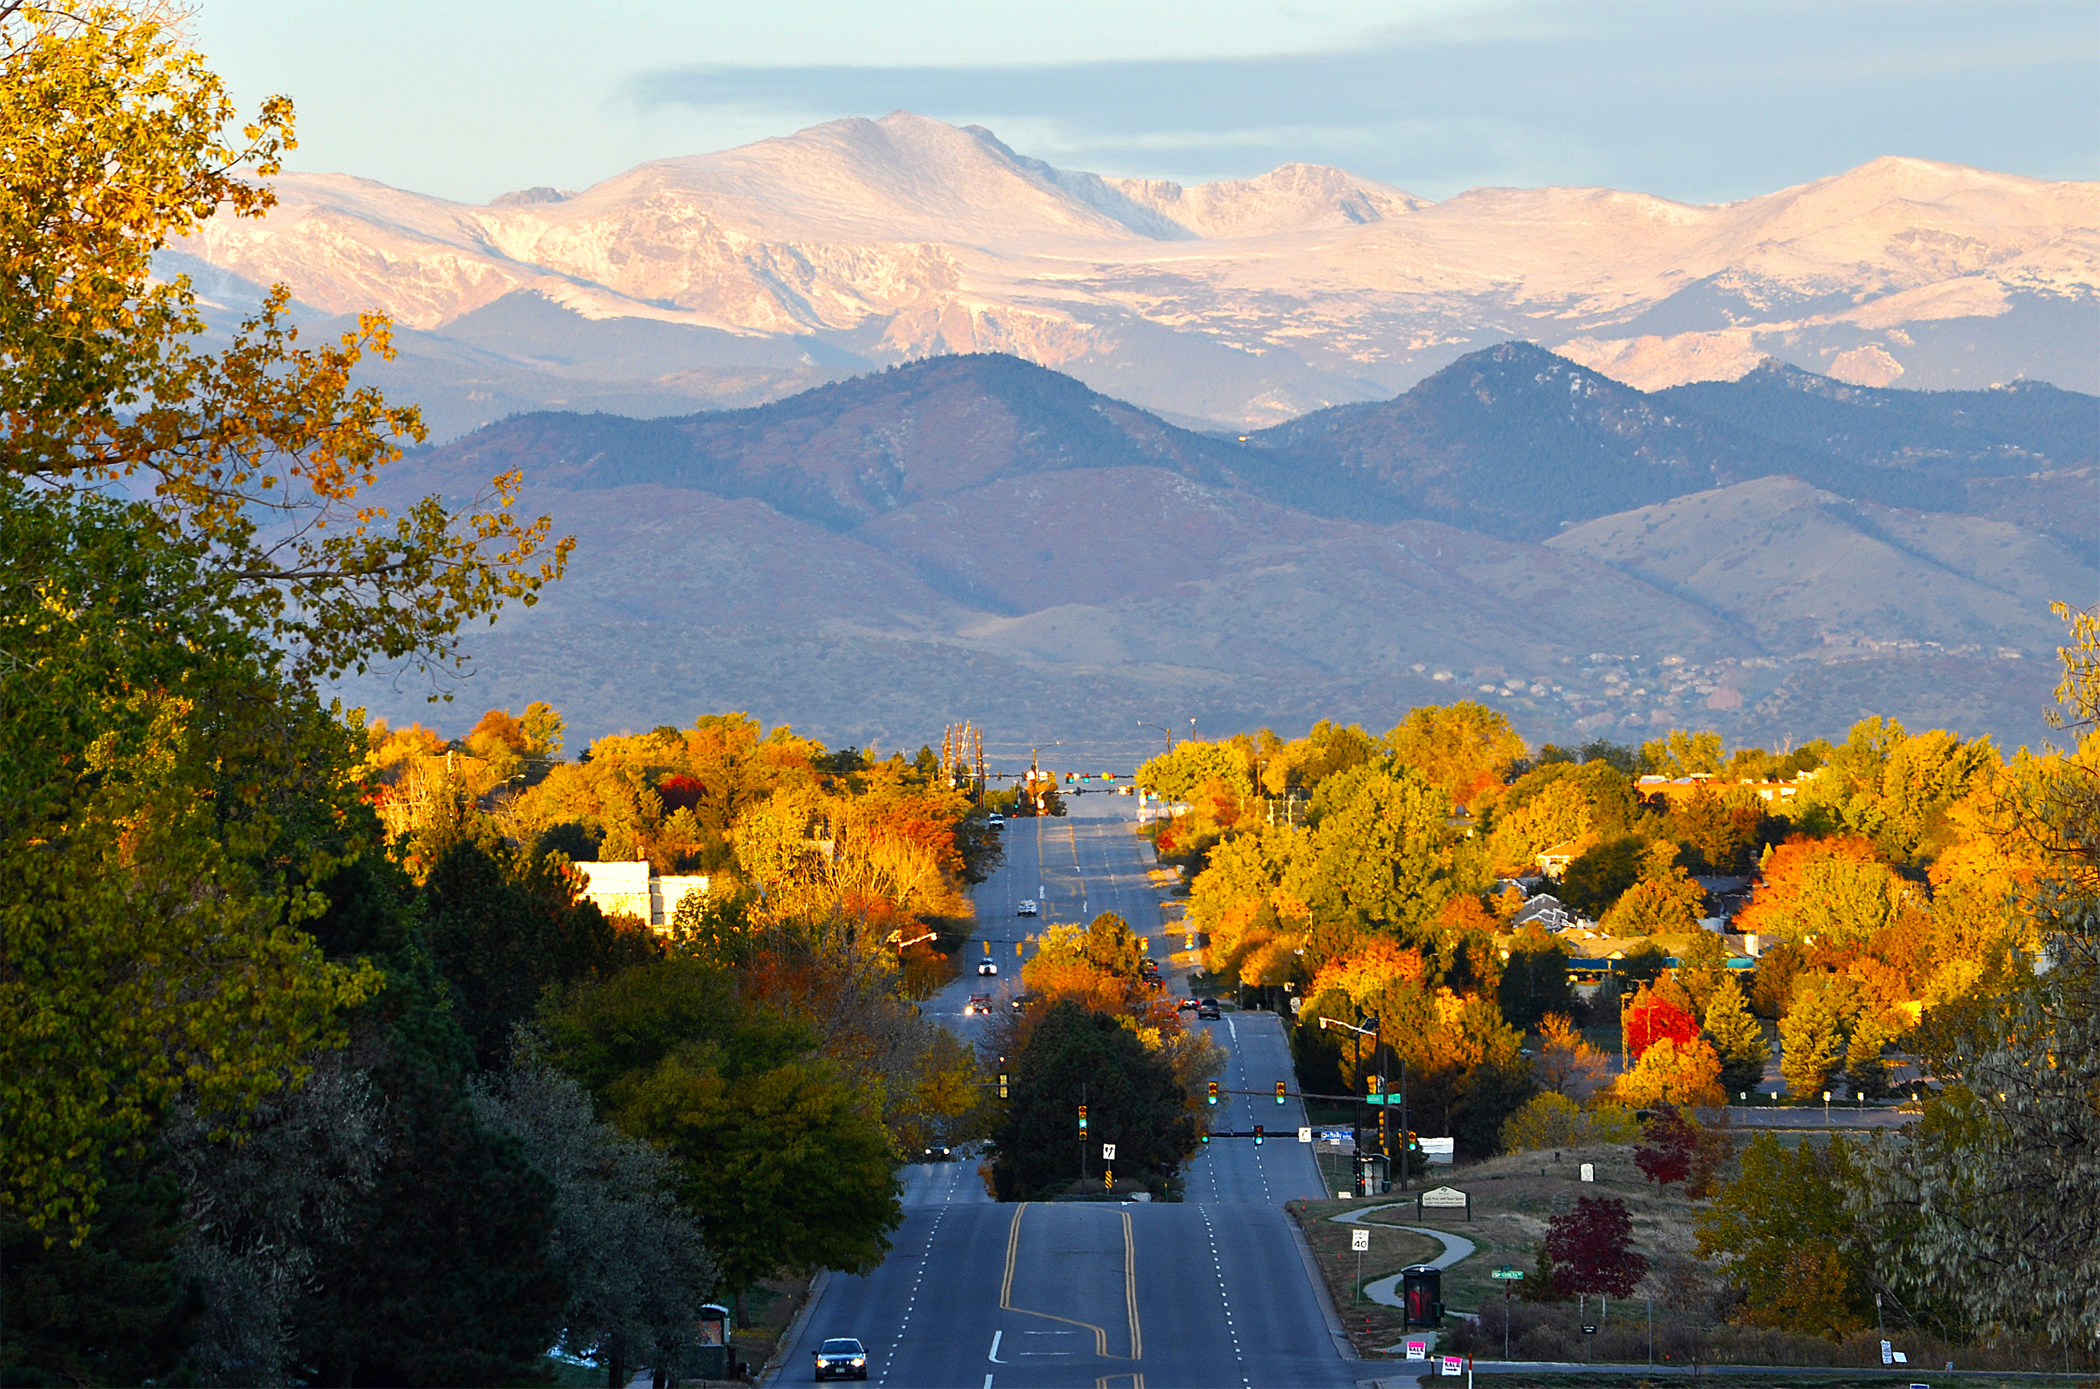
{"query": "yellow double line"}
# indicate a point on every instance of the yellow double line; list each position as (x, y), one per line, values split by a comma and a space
(1137, 1335)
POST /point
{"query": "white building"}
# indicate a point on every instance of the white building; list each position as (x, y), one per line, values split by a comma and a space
(632, 889)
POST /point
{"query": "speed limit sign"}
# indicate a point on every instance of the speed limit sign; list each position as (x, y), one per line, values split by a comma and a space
(1359, 1240)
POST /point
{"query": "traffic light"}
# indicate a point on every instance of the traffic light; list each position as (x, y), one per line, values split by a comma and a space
(1082, 1118)
(1206, 1138)
(1213, 1097)
(1414, 1144)
(1279, 1092)
(1002, 1085)
(1257, 1135)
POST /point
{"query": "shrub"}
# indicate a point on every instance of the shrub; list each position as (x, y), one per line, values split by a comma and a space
(1555, 1121)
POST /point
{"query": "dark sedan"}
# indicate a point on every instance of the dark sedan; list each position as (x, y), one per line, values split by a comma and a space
(842, 1357)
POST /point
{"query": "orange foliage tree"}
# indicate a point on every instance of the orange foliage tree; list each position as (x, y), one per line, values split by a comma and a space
(1651, 1018)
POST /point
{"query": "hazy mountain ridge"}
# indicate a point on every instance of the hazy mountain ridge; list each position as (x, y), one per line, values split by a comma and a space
(1251, 301)
(1512, 440)
(1520, 441)
(2019, 428)
(1073, 563)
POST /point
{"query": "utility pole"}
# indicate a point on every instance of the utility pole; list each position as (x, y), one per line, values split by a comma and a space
(1404, 1130)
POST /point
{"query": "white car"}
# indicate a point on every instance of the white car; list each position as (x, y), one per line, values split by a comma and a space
(987, 967)
(997, 822)
(1027, 908)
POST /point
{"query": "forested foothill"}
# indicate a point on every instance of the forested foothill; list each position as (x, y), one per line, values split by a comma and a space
(1602, 948)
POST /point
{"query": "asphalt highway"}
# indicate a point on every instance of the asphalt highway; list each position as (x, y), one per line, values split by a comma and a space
(1211, 1293)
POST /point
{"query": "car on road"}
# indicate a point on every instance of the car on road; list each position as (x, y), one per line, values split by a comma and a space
(980, 1004)
(997, 822)
(1186, 1004)
(1208, 1008)
(1027, 907)
(842, 1357)
(937, 1153)
(987, 967)
(1021, 1001)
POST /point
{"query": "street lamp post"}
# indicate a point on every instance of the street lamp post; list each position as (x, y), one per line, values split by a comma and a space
(1356, 1125)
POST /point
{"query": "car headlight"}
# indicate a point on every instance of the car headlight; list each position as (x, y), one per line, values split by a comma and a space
(859, 1360)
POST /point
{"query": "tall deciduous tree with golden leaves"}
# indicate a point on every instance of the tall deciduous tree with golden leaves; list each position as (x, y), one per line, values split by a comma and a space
(191, 538)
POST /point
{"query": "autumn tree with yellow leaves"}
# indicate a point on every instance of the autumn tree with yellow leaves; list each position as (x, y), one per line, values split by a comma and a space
(191, 539)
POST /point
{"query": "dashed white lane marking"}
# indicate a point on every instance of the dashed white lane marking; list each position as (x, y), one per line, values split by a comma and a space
(1224, 1297)
(947, 1199)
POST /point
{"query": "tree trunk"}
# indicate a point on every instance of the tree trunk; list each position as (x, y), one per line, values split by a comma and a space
(616, 1375)
(743, 1312)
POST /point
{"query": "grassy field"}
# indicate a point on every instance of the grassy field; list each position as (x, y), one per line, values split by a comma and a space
(1513, 1197)
(1371, 1327)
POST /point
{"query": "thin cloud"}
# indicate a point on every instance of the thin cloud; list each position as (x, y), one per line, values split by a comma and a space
(1703, 103)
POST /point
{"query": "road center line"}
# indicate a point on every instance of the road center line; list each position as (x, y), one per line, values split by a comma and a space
(1006, 1288)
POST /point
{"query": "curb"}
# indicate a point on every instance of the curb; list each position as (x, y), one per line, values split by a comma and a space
(1321, 1293)
(777, 1361)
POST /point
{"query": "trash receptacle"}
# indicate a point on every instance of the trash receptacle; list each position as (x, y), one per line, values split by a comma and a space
(1421, 1296)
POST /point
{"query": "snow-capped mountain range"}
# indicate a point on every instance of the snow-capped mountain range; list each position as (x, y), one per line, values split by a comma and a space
(736, 277)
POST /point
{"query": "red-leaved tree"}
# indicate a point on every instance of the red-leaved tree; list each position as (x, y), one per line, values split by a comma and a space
(1651, 1017)
(1591, 1248)
(1669, 1142)
(681, 792)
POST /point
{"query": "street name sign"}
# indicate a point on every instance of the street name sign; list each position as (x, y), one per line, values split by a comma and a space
(1507, 1273)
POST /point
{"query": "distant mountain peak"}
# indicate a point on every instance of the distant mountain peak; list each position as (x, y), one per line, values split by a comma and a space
(1240, 302)
(525, 197)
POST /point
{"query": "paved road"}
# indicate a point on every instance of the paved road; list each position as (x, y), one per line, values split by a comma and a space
(1210, 1293)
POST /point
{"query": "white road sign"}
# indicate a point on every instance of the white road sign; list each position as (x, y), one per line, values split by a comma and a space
(1108, 1152)
(1304, 1133)
(1359, 1240)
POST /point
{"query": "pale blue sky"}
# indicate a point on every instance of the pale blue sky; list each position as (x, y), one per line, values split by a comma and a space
(1701, 102)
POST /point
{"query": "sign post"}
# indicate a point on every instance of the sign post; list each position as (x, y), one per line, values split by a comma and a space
(1510, 1277)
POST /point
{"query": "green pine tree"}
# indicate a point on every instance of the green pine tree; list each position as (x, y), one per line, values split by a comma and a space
(1737, 1037)
(1811, 1037)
